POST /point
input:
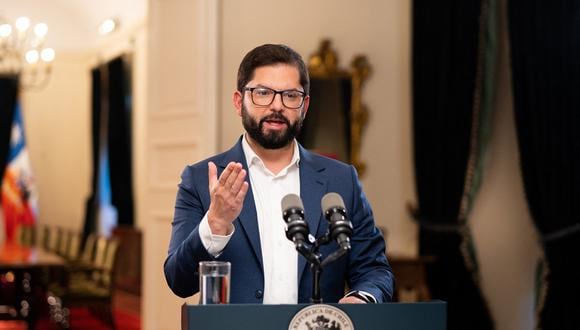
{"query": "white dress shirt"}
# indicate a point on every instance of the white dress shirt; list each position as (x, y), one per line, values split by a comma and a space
(279, 256)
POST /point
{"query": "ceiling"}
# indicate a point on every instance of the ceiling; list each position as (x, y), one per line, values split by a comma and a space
(73, 24)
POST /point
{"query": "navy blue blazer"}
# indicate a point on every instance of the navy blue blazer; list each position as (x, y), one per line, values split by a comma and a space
(364, 268)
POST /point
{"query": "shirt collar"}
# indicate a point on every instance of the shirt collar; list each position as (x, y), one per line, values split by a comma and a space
(252, 158)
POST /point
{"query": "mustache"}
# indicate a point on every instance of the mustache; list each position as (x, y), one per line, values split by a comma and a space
(275, 116)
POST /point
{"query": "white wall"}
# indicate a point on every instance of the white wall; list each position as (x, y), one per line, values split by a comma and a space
(57, 124)
(57, 120)
(378, 29)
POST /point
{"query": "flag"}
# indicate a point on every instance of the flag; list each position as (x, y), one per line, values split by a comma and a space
(19, 196)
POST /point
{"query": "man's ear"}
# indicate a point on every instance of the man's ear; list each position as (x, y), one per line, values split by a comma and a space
(305, 105)
(238, 99)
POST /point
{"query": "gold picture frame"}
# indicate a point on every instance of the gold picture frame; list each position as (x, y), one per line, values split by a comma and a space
(337, 115)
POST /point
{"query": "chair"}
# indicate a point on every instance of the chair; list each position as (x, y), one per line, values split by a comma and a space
(53, 239)
(100, 252)
(73, 247)
(85, 260)
(43, 237)
(88, 249)
(63, 242)
(26, 235)
(92, 258)
(94, 291)
(130, 259)
(411, 278)
(410, 275)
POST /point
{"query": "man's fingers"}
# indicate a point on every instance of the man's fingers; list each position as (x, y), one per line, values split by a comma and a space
(233, 177)
(242, 193)
(226, 173)
(212, 174)
(239, 179)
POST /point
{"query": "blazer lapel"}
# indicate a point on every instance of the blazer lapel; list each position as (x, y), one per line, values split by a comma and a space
(248, 221)
(313, 184)
(248, 218)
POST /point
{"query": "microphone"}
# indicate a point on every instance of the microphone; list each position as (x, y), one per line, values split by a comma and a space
(340, 228)
(293, 213)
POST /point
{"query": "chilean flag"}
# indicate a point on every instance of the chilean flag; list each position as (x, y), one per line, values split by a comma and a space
(19, 196)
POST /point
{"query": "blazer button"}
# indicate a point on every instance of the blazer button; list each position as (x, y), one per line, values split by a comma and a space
(259, 294)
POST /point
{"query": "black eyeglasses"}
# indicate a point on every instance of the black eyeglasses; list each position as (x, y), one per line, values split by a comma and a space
(264, 96)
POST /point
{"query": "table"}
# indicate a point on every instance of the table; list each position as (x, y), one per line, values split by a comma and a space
(24, 273)
(410, 277)
(14, 256)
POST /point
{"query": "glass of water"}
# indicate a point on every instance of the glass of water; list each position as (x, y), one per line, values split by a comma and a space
(214, 282)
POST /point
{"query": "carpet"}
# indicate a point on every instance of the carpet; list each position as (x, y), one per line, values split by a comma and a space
(81, 318)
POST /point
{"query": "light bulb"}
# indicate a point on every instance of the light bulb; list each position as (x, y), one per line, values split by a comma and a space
(107, 26)
(40, 30)
(5, 30)
(22, 23)
(47, 55)
(32, 56)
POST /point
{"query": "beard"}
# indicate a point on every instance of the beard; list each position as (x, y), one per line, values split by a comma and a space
(271, 139)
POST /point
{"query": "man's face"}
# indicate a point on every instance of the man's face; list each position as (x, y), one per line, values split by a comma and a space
(273, 126)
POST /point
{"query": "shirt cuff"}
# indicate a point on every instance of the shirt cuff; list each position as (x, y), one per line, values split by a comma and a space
(214, 244)
(362, 295)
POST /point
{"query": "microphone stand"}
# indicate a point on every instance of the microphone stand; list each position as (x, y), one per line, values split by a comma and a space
(316, 265)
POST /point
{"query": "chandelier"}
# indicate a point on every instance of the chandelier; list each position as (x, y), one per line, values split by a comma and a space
(23, 53)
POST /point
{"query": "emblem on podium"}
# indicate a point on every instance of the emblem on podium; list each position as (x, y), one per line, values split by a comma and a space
(321, 317)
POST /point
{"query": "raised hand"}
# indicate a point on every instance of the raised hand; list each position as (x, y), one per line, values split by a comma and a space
(227, 197)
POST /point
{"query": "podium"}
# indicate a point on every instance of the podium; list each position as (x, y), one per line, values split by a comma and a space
(391, 316)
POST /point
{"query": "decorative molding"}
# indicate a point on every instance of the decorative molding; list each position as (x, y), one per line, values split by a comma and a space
(360, 71)
(157, 147)
(323, 64)
(198, 112)
(176, 111)
(119, 44)
(174, 143)
(207, 64)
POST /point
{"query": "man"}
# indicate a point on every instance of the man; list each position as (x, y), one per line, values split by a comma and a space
(228, 206)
